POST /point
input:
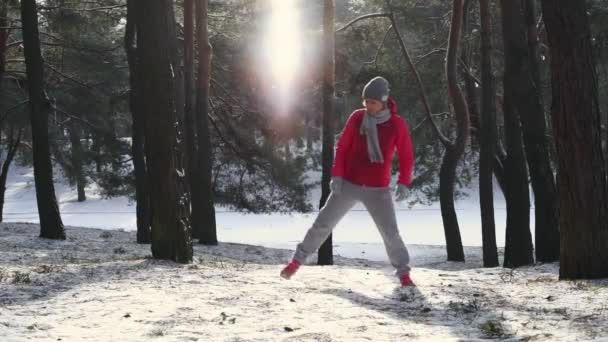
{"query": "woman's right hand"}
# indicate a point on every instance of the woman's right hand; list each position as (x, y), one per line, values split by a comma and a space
(336, 185)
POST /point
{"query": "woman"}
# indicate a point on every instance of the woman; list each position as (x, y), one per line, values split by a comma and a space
(362, 172)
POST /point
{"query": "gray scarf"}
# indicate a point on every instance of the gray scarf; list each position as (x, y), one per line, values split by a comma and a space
(370, 130)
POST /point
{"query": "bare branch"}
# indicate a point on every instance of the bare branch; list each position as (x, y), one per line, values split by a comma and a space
(375, 60)
(444, 140)
(363, 17)
(80, 83)
(17, 60)
(9, 110)
(77, 118)
(92, 9)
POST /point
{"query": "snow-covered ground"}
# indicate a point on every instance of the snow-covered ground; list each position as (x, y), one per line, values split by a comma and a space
(99, 285)
(355, 236)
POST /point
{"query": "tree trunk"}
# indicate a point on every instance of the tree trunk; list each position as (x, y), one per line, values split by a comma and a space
(519, 105)
(447, 178)
(487, 140)
(583, 216)
(527, 105)
(189, 120)
(466, 57)
(171, 238)
(76, 161)
(4, 24)
(208, 235)
(96, 147)
(51, 225)
(543, 180)
(13, 146)
(308, 122)
(142, 199)
(329, 80)
(453, 152)
(182, 187)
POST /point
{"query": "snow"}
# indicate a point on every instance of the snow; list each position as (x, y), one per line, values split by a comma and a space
(99, 285)
(355, 235)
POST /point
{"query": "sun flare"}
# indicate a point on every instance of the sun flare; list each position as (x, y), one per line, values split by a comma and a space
(284, 41)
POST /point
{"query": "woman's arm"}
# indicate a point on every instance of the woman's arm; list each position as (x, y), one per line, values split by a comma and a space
(405, 153)
(344, 144)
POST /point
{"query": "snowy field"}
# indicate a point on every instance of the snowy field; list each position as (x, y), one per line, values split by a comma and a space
(99, 285)
(355, 236)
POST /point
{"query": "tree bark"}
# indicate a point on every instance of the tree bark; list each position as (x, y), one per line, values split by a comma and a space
(96, 148)
(521, 107)
(308, 122)
(453, 152)
(142, 198)
(583, 201)
(543, 180)
(527, 105)
(189, 119)
(487, 140)
(13, 145)
(77, 161)
(51, 225)
(4, 31)
(156, 81)
(208, 235)
(184, 232)
(329, 75)
(466, 57)
(518, 242)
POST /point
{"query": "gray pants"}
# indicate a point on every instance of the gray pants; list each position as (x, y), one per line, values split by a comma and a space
(379, 204)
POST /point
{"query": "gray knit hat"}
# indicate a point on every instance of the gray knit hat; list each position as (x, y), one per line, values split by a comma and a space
(376, 89)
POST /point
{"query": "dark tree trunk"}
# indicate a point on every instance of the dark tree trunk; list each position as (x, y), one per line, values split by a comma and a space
(4, 31)
(543, 181)
(142, 198)
(518, 241)
(500, 157)
(527, 105)
(326, 251)
(77, 161)
(12, 146)
(208, 235)
(179, 147)
(51, 225)
(487, 140)
(583, 217)
(308, 122)
(156, 82)
(189, 120)
(519, 105)
(453, 152)
(96, 147)
(447, 178)
(466, 57)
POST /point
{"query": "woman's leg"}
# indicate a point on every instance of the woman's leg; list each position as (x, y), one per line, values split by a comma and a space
(381, 208)
(332, 212)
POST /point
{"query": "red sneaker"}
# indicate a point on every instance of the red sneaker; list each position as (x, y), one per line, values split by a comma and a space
(290, 269)
(406, 280)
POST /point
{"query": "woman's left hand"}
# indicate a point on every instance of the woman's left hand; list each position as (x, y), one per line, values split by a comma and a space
(401, 193)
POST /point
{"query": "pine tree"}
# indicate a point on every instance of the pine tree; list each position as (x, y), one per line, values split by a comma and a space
(51, 225)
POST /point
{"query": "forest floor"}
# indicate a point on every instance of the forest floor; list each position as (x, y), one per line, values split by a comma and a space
(100, 285)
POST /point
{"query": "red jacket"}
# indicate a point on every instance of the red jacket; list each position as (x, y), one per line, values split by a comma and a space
(352, 161)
